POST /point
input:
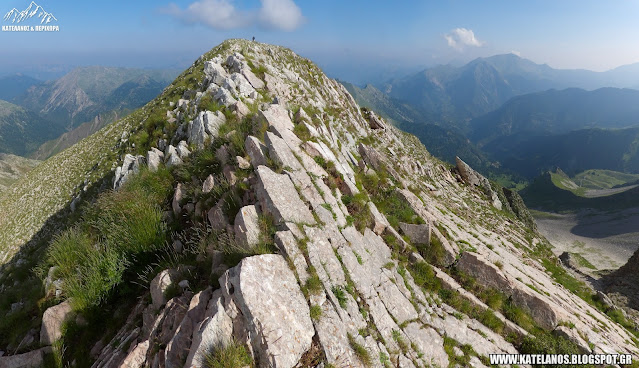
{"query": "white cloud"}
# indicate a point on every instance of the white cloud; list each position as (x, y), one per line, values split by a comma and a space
(222, 14)
(458, 38)
(515, 52)
(280, 14)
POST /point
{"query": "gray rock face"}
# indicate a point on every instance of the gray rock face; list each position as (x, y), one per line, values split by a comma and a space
(278, 317)
(302, 116)
(217, 216)
(223, 96)
(177, 198)
(374, 121)
(154, 158)
(223, 155)
(488, 274)
(287, 244)
(240, 109)
(471, 177)
(256, 82)
(214, 332)
(52, 321)
(208, 184)
(242, 163)
(236, 62)
(215, 72)
(280, 152)
(183, 149)
(429, 343)
(418, 234)
(380, 223)
(242, 87)
(172, 157)
(278, 197)
(130, 165)
(256, 151)
(137, 356)
(177, 349)
(160, 284)
(572, 334)
(247, 227)
(205, 126)
(277, 117)
(32, 359)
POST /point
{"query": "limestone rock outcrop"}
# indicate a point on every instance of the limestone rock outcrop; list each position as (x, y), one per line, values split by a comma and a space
(303, 231)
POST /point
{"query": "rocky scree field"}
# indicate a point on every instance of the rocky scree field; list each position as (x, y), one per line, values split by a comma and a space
(253, 215)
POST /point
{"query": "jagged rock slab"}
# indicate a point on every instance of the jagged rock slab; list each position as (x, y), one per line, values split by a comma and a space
(287, 244)
(160, 284)
(32, 359)
(256, 151)
(154, 158)
(277, 116)
(417, 233)
(277, 315)
(214, 332)
(490, 275)
(429, 343)
(247, 227)
(52, 320)
(278, 197)
(281, 153)
(177, 350)
(215, 72)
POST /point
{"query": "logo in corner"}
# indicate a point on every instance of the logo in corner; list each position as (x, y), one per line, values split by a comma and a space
(19, 20)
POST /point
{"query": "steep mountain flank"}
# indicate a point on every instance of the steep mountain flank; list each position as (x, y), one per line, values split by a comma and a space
(558, 112)
(87, 91)
(12, 167)
(21, 130)
(68, 139)
(12, 86)
(260, 217)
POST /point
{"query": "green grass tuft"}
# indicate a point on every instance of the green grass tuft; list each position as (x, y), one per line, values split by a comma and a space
(234, 355)
(362, 353)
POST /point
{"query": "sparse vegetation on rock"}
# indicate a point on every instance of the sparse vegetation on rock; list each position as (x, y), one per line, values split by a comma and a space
(269, 244)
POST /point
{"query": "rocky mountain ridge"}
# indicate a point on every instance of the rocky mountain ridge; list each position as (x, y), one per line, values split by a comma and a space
(360, 248)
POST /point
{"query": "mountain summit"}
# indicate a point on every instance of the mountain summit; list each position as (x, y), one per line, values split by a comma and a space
(254, 215)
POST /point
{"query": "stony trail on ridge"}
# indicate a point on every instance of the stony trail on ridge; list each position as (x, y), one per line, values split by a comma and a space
(350, 284)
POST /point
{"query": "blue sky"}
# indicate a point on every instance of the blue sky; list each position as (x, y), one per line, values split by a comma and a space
(344, 37)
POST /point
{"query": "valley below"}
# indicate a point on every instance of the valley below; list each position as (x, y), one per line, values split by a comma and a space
(606, 239)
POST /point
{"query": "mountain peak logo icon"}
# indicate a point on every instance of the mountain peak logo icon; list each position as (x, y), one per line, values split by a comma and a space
(33, 10)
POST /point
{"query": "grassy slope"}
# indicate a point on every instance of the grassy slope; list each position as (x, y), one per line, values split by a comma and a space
(66, 140)
(45, 190)
(12, 167)
(557, 192)
(50, 187)
(604, 179)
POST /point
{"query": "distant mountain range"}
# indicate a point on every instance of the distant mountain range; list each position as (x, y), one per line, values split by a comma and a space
(557, 112)
(37, 112)
(13, 86)
(85, 92)
(506, 115)
(454, 95)
(443, 141)
(573, 129)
